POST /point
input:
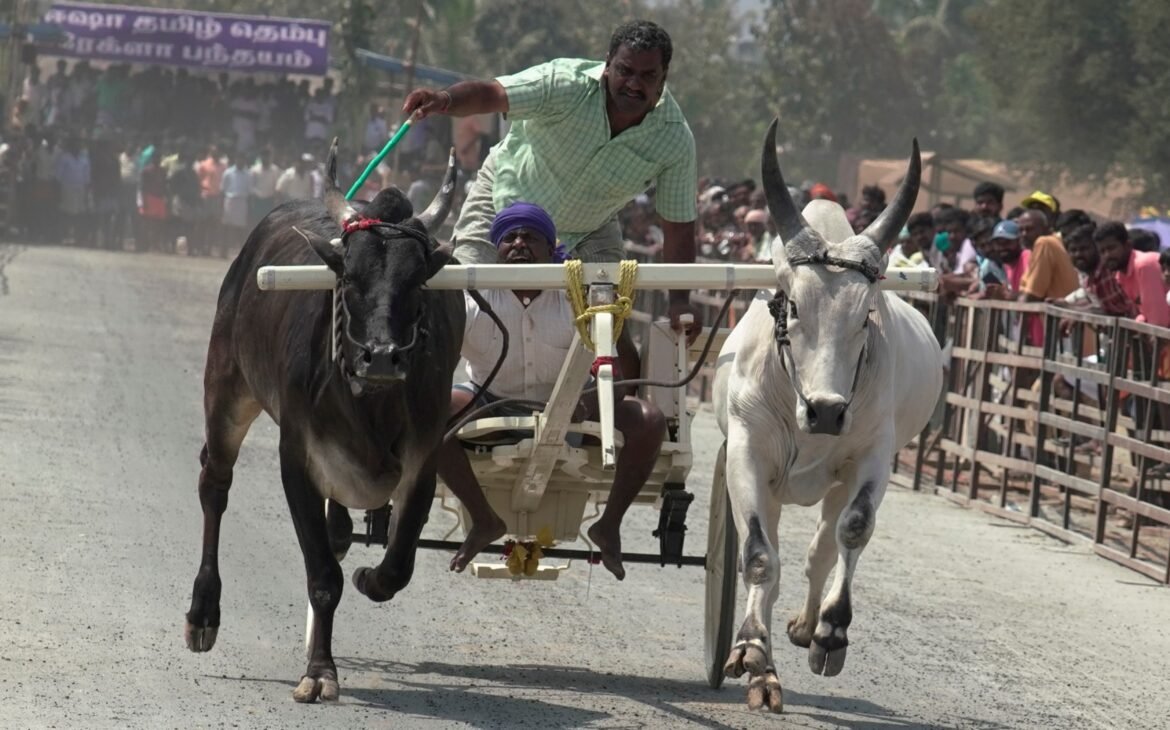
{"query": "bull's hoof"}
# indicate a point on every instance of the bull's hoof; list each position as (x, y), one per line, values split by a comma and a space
(200, 638)
(755, 660)
(799, 632)
(765, 690)
(366, 581)
(745, 657)
(324, 688)
(825, 661)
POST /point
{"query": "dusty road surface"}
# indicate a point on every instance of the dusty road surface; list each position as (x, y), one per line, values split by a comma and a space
(960, 621)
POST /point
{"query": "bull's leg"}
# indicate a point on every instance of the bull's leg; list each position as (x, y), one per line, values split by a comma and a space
(854, 526)
(324, 579)
(229, 411)
(411, 511)
(757, 517)
(819, 561)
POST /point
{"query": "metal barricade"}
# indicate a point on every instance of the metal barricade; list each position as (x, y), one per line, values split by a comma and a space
(1135, 485)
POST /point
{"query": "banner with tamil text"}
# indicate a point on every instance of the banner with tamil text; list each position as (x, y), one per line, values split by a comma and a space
(220, 41)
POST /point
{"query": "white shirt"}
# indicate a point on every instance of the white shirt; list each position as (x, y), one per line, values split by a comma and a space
(539, 337)
(237, 182)
(294, 186)
(264, 180)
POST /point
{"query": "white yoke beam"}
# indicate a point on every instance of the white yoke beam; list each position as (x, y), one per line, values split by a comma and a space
(552, 276)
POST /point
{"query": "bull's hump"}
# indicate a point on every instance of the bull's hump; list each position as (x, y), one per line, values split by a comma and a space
(342, 476)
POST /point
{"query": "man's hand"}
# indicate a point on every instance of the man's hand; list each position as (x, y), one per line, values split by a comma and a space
(421, 103)
(679, 307)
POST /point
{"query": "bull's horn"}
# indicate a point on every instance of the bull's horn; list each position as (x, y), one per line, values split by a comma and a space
(889, 224)
(437, 211)
(789, 222)
(335, 202)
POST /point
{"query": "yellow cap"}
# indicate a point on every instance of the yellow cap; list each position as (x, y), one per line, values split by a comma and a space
(1042, 198)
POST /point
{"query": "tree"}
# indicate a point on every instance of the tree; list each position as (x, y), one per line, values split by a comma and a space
(1062, 79)
(833, 75)
(718, 98)
(514, 34)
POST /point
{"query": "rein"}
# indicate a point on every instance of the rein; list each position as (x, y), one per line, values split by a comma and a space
(778, 307)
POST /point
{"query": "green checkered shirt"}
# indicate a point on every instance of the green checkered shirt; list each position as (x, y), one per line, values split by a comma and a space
(559, 154)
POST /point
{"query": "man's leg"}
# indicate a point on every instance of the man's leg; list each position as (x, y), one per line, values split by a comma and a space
(455, 471)
(603, 246)
(643, 429)
(472, 236)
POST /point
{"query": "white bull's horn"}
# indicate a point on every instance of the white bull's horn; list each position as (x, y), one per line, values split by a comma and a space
(889, 224)
(793, 228)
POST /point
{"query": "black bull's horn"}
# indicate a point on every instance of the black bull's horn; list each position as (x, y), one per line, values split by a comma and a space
(791, 224)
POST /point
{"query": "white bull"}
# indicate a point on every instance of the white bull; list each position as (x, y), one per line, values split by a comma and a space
(817, 388)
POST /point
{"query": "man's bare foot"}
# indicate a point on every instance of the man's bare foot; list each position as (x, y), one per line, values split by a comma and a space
(609, 544)
(478, 537)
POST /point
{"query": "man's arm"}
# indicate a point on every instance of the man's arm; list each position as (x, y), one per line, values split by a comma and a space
(458, 100)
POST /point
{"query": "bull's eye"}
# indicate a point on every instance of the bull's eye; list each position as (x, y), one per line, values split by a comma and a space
(792, 310)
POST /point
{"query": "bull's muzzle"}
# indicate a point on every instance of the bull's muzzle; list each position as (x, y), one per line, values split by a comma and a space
(381, 364)
(826, 415)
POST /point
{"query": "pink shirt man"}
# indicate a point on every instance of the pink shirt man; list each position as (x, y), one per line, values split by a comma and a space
(1142, 283)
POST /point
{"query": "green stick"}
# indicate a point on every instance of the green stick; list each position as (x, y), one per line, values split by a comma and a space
(377, 160)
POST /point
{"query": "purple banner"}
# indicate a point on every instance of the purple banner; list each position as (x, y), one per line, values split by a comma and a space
(221, 41)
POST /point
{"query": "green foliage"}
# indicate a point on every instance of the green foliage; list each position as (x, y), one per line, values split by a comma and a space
(833, 75)
(706, 81)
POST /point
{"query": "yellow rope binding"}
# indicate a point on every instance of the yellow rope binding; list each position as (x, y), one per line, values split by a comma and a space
(620, 309)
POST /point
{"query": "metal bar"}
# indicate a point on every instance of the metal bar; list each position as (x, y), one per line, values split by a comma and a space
(591, 556)
(552, 276)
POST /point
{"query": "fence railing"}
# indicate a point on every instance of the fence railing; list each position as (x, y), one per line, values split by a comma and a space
(1053, 418)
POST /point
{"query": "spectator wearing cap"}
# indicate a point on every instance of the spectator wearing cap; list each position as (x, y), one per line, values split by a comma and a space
(1044, 202)
(1004, 243)
(1138, 272)
(296, 183)
(989, 199)
(1007, 247)
(1099, 288)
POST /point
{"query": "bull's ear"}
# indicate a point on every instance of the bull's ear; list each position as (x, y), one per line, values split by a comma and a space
(331, 253)
(440, 257)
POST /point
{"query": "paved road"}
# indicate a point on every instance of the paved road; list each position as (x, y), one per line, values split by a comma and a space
(961, 621)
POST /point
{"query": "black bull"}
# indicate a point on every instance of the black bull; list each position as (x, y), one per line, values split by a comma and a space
(356, 431)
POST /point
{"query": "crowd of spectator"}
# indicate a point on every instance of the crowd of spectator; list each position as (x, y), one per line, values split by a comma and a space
(169, 159)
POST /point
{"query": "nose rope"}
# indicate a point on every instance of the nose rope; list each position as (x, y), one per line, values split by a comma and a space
(778, 308)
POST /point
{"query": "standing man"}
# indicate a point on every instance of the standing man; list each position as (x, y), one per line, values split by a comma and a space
(586, 138)
(1138, 272)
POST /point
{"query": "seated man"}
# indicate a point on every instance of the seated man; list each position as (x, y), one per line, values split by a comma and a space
(540, 327)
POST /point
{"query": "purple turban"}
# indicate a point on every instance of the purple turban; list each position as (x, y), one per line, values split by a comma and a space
(523, 215)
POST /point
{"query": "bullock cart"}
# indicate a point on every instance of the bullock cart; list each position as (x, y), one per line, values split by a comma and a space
(541, 485)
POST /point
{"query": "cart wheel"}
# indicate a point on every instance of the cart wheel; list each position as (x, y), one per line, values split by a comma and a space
(722, 555)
